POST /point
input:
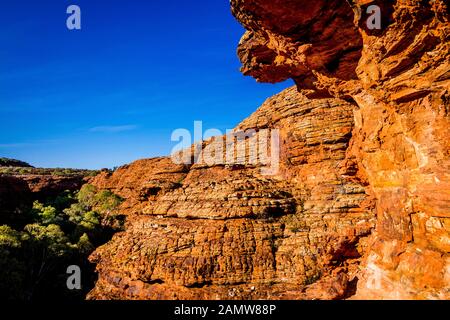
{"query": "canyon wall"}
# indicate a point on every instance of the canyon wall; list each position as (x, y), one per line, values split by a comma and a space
(360, 205)
(398, 80)
(229, 231)
(18, 191)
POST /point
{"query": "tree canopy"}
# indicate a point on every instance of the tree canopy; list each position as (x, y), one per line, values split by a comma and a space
(60, 233)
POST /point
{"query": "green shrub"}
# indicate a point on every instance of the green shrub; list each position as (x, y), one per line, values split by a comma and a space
(59, 233)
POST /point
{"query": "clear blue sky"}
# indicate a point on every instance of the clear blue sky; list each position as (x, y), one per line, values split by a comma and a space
(114, 91)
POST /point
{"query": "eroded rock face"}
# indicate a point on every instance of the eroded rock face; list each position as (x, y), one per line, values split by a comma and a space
(48, 186)
(362, 194)
(400, 141)
(293, 39)
(230, 232)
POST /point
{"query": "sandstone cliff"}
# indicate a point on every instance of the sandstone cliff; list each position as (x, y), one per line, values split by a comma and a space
(360, 205)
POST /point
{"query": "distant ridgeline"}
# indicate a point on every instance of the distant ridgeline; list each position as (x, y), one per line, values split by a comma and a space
(6, 162)
(18, 167)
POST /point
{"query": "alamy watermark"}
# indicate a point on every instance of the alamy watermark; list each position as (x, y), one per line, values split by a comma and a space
(257, 148)
(373, 22)
(73, 21)
(74, 279)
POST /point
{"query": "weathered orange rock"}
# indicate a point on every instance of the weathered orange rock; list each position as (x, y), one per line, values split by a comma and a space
(222, 232)
(400, 141)
(361, 202)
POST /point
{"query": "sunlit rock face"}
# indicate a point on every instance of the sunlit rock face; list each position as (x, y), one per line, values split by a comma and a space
(400, 140)
(230, 232)
(360, 204)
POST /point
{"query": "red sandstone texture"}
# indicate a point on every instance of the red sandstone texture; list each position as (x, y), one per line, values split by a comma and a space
(220, 232)
(360, 207)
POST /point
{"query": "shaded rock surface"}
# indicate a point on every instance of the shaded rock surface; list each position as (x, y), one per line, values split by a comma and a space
(361, 201)
(17, 193)
(15, 200)
(49, 186)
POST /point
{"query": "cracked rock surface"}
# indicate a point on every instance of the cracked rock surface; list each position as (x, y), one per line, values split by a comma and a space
(360, 205)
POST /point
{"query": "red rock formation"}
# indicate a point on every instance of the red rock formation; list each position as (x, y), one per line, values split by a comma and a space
(220, 232)
(364, 145)
(400, 141)
(47, 186)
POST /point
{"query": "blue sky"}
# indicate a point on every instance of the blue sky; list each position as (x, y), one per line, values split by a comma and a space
(114, 91)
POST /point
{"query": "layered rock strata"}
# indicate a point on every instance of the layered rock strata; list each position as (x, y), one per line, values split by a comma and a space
(400, 86)
(360, 203)
(228, 231)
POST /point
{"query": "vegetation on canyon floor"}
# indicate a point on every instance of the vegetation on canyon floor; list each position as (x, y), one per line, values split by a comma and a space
(61, 232)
